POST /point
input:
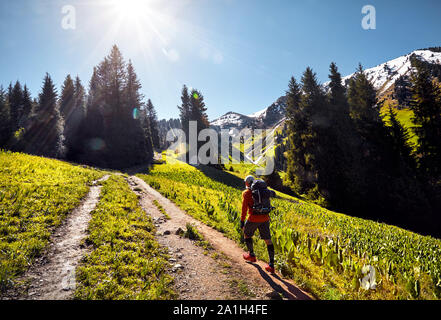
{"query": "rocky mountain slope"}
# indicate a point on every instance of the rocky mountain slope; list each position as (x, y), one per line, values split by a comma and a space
(382, 76)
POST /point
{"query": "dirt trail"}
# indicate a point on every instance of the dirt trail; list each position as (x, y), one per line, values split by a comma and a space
(199, 278)
(52, 277)
(199, 272)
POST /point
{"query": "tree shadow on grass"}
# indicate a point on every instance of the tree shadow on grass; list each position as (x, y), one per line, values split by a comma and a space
(222, 176)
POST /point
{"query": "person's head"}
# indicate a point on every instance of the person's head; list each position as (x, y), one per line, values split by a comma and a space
(249, 181)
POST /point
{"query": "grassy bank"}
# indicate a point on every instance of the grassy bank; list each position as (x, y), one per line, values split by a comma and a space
(126, 262)
(327, 253)
(35, 196)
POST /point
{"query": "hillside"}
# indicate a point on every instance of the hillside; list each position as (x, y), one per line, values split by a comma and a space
(383, 77)
(75, 232)
(46, 206)
(326, 252)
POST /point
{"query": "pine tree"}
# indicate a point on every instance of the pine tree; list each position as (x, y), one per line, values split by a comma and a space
(67, 102)
(146, 127)
(15, 98)
(80, 98)
(153, 122)
(45, 135)
(73, 103)
(297, 125)
(305, 124)
(91, 130)
(339, 140)
(133, 96)
(362, 99)
(27, 107)
(142, 149)
(114, 77)
(184, 110)
(113, 108)
(400, 140)
(5, 120)
(198, 114)
(198, 110)
(426, 105)
(402, 92)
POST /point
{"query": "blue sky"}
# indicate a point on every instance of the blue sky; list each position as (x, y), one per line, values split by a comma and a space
(239, 53)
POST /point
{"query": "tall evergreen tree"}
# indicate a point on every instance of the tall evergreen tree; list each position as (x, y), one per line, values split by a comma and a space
(198, 110)
(91, 130)
(362, 99)
(336, 175)
(45, 135)
(184, 109)
(153, 122)
(80, 98)
(27, 107)
(15, 104)
(67, 102)
(400, 140)
(114, 105)
(426, 105)
(198, 113)
(5, 120)
(140, 142)
(402, 91)
(73, 102)
(297, 126)
(305, 124)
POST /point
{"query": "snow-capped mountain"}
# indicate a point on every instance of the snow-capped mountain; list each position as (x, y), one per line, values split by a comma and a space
(232, 120)
(265, 118)
(382, 76)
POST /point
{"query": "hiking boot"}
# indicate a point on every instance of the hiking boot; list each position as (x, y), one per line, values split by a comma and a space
(249, 257)
(269, 268)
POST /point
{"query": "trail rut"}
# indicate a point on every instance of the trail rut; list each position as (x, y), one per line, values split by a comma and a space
(52, 277)
(203, 283)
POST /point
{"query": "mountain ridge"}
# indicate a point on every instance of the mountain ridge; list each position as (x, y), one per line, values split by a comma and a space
(383, 77)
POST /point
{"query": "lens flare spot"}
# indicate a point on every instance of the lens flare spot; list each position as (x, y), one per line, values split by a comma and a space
(195, 95)
(135, 113)
(96, 144)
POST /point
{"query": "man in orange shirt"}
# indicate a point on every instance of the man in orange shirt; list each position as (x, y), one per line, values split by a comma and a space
(253, 223)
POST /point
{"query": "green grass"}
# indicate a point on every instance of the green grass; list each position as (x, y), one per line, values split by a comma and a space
(323, 251)
(35, 196)
(161, 209)
(404, 116)
(126, 262)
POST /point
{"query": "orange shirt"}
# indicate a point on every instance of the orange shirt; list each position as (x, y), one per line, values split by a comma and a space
(247, 207)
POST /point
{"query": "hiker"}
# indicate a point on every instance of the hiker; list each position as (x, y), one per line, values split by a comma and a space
(257, 219)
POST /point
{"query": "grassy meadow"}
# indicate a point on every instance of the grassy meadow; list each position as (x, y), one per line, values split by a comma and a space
(126, 262)
(325, 252)
(36, 194)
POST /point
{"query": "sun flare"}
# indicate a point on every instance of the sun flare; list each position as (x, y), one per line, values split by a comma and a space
(131, 9)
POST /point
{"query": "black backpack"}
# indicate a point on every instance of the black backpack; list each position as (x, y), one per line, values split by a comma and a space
(261, 197)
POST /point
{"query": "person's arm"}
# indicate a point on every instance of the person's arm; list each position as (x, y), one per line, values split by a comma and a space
(244, 208)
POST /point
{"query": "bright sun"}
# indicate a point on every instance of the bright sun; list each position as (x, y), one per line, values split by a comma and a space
(131, 9)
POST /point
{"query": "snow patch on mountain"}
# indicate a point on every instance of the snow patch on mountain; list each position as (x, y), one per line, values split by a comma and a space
(384, 75)
(231, 119)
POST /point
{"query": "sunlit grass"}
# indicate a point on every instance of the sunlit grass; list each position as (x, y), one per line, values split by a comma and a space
(323, 251)
(36, 194)
(126, 262)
